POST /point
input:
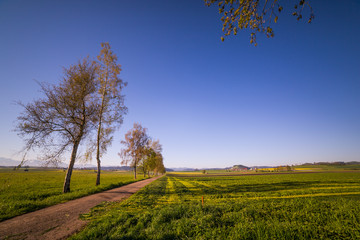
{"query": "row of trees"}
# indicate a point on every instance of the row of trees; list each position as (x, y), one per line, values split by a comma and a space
(141, 152)
(86, 107)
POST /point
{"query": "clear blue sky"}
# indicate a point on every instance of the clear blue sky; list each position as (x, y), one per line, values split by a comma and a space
(295, 98)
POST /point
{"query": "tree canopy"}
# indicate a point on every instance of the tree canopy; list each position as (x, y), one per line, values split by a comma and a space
(110, 100)
(140, 151)
(153, 159)
(136, 140)
(255, 15)
(63, 117)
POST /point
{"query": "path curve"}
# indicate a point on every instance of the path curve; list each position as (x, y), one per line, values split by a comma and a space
(62, 220)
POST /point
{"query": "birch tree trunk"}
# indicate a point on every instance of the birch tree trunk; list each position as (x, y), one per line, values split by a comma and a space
(70, 168)
(98, 155)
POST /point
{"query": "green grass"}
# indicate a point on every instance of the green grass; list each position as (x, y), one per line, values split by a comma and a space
(22, 192)
(329, 167)
(297, 206)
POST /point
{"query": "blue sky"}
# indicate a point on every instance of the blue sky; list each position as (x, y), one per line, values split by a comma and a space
(292, 99)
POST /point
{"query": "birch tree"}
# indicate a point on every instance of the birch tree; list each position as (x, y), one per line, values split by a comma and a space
(135, 144)
(111, 101)
(63, 117)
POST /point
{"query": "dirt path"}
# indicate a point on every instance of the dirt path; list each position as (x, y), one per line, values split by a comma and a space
(62, 220)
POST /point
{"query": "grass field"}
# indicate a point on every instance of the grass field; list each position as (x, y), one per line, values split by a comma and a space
(350, 167)
(291, 206)
(22, 192)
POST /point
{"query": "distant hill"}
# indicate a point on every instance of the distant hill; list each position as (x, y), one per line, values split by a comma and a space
(213, 169)
(240, 166)
(7, 162)
(332, 163)
(183, 169)
(121, 168)
(262, 166)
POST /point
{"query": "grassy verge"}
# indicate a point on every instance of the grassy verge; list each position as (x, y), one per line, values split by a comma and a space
(299, 206)
(22, 192)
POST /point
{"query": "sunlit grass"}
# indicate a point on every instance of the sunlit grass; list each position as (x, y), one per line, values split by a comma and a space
(186, 173)
(329, 167)
(298, 206)
(305, 169)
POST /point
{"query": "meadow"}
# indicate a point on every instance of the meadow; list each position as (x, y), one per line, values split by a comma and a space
(191, 206)
(22, 192)
(328, 167)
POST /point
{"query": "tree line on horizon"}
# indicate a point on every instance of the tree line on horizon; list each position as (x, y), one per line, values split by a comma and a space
(86, 106)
